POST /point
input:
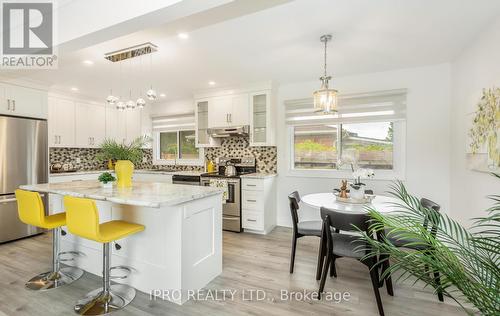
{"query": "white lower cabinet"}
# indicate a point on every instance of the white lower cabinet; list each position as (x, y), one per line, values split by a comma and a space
(258, 204)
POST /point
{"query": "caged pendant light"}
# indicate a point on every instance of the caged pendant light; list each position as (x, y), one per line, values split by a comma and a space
(325, 99)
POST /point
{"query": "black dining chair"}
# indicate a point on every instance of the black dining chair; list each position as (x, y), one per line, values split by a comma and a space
(347, 245)
(300, 229)
(414, 244)
(321, 254)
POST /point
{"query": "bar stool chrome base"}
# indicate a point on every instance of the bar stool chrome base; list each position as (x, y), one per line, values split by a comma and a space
(51, 280)
(98, 303)
(58, 276)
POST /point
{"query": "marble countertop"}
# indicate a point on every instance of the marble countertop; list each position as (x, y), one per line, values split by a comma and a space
(259, 175)
(143, 171)
(148, 194)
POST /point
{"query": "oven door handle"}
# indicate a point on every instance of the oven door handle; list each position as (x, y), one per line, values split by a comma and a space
(233, 218)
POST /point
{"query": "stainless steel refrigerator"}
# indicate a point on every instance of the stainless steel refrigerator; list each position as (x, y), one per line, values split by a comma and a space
(23, 160)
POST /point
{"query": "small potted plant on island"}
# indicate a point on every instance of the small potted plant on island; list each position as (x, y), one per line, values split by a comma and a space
(125, 156)
(106, 180)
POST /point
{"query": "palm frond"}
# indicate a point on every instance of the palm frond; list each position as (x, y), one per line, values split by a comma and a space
(468, 261)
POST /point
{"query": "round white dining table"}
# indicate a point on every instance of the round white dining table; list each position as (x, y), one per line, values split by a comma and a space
(382, 204)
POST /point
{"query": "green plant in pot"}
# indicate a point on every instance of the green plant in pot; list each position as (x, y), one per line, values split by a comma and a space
(462, 264)
(125, 156)
(106, 180)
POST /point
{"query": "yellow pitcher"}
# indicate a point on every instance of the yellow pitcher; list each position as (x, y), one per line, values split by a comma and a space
(124, 170)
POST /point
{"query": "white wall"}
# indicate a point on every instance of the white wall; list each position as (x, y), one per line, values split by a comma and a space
(476, 68)
(172, 107)
(427, 130)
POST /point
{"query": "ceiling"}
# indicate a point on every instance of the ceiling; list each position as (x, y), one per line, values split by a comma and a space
(281, 43)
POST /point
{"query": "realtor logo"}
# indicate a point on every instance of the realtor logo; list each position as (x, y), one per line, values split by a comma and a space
(28, 35)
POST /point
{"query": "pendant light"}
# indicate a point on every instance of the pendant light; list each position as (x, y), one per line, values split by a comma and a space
(130, 104)
(151, 94)
(325, 99)
(120, 105)
(140, 102)
(111, 99)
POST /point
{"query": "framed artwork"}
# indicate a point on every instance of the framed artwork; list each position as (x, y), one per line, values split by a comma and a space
(483, 126)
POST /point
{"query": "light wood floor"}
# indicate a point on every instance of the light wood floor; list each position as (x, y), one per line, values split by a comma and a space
(250, 262)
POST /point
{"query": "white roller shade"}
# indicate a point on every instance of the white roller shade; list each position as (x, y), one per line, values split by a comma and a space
(354, 108)
(173, 122)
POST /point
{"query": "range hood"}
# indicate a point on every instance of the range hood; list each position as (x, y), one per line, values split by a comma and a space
(239, 131)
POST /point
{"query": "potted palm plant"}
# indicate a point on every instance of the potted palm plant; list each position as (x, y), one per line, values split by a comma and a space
(467, 261)
(124, 156)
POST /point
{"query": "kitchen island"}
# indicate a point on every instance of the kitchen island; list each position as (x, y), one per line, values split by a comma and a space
(180, 249)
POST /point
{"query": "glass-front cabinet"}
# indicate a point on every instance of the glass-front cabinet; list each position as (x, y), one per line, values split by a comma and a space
(261, 119)
(201, 115)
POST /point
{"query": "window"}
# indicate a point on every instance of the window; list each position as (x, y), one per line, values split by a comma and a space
(315, 147)
(177, 148)
(168, 145)
(175, 140)
(369, 145)
(368, 131)
(187, 148)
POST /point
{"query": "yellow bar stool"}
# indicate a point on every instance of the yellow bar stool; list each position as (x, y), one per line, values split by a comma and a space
(32, 212)
(82, 219)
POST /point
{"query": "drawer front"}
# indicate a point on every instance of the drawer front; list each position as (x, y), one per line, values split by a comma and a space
(253, 184)
(253, 220)
(252, 200)
(231, 223)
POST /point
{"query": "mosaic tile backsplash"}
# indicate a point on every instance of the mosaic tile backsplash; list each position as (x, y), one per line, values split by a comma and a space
(266, 157)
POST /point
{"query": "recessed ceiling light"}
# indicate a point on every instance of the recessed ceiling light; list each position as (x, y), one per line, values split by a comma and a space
(88, 62)
(162, 95)
(74, 89)
(183, 35)
(212, 83)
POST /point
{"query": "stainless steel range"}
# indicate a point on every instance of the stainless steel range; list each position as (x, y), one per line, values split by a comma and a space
(228, 175)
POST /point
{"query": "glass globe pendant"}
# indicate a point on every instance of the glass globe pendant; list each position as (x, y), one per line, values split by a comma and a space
(151, 94)
(130, 104)
(120, 105)
(325, 99)
(140, 103)
(111, 99)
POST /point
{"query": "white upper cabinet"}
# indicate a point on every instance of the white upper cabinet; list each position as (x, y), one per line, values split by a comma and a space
(254, 105)
(89, 125)
(262, 129)
(201, 119)
(227, 111)
(61, 122)
(21, 101)
(239, 111)
(219, 109)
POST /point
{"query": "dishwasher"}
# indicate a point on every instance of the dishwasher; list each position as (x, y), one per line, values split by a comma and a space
(185, 179)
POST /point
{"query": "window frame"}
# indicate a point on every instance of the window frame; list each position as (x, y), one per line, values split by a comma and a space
(399, 157)
(177, 161)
